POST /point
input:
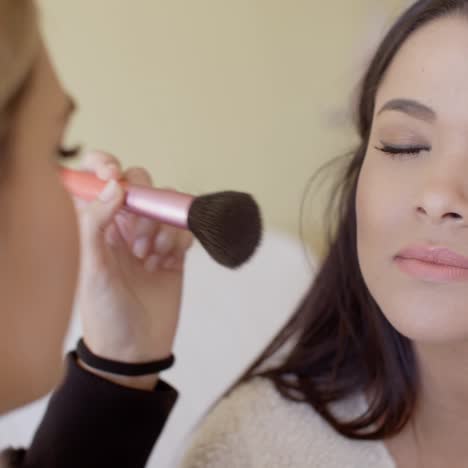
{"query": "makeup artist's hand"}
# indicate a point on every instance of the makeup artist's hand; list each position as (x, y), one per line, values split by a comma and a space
(130, 284)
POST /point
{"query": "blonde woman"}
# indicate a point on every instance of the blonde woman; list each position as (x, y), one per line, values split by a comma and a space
(375, 366)
(127, 289)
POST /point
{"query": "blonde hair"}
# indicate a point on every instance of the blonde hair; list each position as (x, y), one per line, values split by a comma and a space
(19, 40)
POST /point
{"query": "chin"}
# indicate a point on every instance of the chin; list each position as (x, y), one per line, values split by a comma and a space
(422, 312)
(429, 327)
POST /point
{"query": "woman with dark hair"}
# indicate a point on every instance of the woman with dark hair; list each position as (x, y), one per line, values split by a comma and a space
(375, 372)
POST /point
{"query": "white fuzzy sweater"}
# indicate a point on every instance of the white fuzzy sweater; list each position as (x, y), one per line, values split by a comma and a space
(256, 428)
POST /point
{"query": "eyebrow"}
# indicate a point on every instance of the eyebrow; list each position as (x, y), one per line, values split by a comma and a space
(411, 108)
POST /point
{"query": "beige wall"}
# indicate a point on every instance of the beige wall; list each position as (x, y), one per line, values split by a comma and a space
(213, 94)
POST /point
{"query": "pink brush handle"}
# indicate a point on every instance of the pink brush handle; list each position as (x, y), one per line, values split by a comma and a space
(167, 206)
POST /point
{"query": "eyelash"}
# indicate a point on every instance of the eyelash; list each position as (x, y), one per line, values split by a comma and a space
(408, 152)
(64, 152)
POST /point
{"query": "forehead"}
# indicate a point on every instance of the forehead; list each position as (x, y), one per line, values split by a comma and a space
(432, 67)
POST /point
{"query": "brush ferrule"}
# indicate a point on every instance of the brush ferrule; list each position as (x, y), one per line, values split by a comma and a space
(167, 206)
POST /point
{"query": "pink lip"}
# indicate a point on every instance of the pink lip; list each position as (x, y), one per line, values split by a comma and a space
(430, 263)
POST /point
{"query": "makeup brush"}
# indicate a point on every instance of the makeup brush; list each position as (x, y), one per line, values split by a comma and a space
(227, 224)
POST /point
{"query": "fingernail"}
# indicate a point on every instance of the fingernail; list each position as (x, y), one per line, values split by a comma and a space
(140, 247)
(110, 191)
(152, 263)
(163, 242)
(143, 226)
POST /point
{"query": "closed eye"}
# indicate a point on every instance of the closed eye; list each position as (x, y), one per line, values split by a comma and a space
(402, 152)
(64, 152)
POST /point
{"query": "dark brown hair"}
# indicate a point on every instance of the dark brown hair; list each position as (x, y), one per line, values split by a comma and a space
(341, 343)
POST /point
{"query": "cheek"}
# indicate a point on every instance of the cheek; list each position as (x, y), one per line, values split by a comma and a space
(39, 273)
(379, 209)
(371, 225)
(423, 312)
(53, 246)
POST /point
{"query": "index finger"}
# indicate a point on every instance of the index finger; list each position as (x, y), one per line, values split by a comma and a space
(138, 175)
(104, 165)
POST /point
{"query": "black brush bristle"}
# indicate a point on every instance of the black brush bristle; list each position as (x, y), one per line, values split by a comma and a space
(228, 225)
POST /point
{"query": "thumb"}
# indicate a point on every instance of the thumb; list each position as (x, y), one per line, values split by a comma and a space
(100, 212)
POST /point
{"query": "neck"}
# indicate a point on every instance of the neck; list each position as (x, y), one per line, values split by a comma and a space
(441, 414)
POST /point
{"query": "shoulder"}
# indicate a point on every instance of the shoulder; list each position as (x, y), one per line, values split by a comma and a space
(219, 440)
(255, 426)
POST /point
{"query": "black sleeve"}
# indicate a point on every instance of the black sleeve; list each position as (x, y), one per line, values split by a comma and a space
(91, 422)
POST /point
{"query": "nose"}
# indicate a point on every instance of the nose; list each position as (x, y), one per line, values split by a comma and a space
(444, 200)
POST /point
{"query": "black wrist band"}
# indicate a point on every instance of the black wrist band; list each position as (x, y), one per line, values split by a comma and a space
(122, 368)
